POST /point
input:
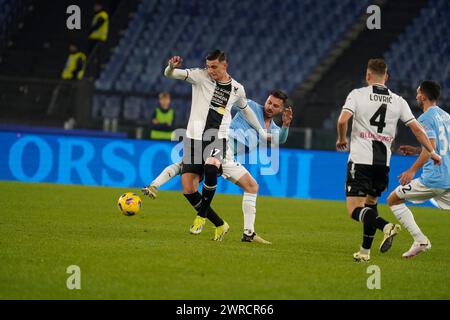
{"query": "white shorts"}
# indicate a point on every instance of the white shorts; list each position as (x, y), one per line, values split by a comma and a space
(416, 192)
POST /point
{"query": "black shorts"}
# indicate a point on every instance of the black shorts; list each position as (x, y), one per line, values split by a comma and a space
(195, 153)
(363, 180)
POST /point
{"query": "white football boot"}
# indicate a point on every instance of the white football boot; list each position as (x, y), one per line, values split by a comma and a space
(417, 248)
(362, 255)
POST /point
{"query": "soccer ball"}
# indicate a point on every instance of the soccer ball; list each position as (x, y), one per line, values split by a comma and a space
(129, 203)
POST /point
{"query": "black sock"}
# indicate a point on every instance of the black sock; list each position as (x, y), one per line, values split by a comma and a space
(380, 223)
(369, 231)
(195, 199)
(370, 217)
(209, 188)
(356, 214)
(372, 206)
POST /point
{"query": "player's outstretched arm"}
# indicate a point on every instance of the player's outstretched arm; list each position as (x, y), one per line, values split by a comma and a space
(423, 158)
(342, 126)
(253, 121)
(421, 136)
(171, 70)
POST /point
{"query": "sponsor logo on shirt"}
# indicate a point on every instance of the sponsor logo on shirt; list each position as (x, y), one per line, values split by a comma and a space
(376, 137)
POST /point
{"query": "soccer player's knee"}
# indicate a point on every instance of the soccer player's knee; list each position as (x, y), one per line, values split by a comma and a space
(371, 200)
(212, 161)
(210, 170)
(189, 189)
(393, 199)
(254, 187)
(350, 213)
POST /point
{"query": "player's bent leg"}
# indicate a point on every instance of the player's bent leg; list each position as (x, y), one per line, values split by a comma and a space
(250, 187)
(189, 182)
(396, 202)
(370, 218)
(352, 204)
(355, 206)
(211, 168)
(195, 199)
(369, 231)
(211, 171)
(393, 199)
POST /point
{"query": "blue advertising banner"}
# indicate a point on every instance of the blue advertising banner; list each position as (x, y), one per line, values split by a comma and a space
(135, 163)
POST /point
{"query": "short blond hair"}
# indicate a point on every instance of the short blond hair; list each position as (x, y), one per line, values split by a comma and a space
(377, 66)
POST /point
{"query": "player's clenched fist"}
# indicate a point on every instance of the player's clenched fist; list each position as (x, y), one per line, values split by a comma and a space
(409, 150)
(175, 62)
(342, 145)
(287, 117)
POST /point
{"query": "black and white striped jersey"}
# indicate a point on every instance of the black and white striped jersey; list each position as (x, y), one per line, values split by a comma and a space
(376, 111)
(211, 104)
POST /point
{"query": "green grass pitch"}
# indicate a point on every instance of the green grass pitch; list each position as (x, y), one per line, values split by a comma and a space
(46, 228)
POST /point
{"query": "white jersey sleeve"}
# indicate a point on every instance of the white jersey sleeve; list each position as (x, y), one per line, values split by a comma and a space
(406, 115)
(350, 102)
(241, 103)
(195, 75)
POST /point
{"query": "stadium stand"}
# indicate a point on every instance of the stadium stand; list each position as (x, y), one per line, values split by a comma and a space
(257, 57)
(418, 50)
(423, 50)
(36, 51)
(11, 14)
(279, 45)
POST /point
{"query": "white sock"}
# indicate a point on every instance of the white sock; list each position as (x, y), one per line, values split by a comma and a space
(168, 173)
(249, 209)
(364, 251)
(406, 218)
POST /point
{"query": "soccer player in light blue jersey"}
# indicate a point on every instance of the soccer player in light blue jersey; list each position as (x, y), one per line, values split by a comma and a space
(434, 183)
(243, 138)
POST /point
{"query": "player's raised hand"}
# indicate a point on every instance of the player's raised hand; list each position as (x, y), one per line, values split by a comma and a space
(436, 158)
(175, 62)
(287, 117)
(407, 150)
(342, 145)
(406, 177)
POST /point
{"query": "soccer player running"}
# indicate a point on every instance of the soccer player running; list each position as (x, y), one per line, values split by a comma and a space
(243, 139)
(214, 92)
(434, 183)
(375, 111)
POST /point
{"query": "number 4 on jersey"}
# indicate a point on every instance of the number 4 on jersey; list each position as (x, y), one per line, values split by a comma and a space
(378, 119)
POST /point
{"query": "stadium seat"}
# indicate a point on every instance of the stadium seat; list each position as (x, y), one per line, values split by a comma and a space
(409, 62)
(187, 29)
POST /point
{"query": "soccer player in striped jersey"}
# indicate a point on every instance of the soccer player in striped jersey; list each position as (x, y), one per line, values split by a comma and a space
(244, 138)
(376, 111)
(214, 92)
(434, 183)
